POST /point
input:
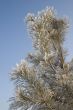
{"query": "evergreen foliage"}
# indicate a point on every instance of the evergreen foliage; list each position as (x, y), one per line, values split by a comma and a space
(44, 80)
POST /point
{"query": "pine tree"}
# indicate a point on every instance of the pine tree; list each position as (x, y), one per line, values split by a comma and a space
(44, 80)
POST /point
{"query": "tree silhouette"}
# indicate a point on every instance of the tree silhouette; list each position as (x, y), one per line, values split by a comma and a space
(44, 80)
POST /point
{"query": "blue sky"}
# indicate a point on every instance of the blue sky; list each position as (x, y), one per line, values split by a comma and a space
(14, 40)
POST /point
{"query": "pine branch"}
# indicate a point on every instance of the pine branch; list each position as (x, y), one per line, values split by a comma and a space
(44, 81)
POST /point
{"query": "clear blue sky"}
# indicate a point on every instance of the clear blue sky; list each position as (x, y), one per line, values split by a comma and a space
(14, 40)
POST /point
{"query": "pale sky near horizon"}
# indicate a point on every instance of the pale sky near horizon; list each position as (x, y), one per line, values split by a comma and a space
(14, 41)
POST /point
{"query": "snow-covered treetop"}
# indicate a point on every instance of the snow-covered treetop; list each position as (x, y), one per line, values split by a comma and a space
(44, 81)
(46, 29)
